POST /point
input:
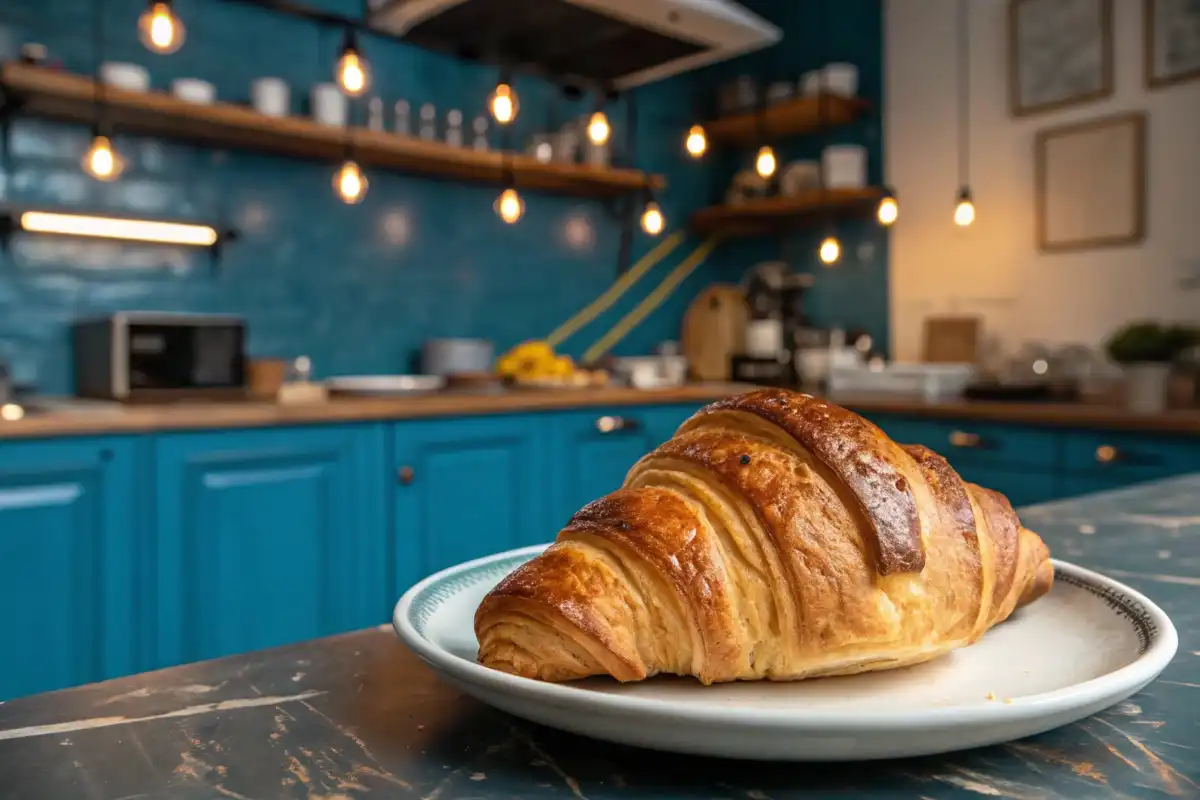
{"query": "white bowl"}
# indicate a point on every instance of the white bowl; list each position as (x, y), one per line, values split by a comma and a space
(194, 90)
(271, 97)
(123, 75)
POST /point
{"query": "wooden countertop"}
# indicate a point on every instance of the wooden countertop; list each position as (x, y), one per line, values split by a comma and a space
(193, 416)
(196, 416)
(1060, 415)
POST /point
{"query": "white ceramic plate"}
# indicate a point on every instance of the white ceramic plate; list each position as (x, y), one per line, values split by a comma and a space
(385, 384)
(1087, 645)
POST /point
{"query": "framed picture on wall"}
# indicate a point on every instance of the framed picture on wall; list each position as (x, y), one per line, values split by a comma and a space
(1090, 181)
(1060, 53)
(1172, 41)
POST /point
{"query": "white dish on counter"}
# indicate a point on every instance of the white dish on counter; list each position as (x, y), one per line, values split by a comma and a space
(123, 75)
(384, 385)
(1109, 642)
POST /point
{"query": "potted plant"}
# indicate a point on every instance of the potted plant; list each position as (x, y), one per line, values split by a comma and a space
(1145, 351)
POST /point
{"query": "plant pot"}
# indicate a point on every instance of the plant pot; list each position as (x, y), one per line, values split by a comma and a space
(1146, 387)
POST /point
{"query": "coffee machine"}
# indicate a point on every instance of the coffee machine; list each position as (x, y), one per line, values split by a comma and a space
(775, 298)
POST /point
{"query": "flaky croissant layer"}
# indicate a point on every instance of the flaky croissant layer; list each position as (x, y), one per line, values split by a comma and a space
(775, 536)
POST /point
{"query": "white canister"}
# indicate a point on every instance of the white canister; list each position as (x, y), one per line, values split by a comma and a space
(810, 83)
(845, 166)
(194, 90)
(271, 97)
(764, 338)
(1146, 387)
(328, 104)
(840, 78)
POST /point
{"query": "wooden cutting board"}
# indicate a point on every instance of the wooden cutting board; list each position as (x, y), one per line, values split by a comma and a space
(714, 328)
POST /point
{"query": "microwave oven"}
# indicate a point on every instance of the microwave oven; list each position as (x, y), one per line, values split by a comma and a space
(140, 356)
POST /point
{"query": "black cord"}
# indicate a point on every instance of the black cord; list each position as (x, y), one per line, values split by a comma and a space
(964, 95)
(98, 54)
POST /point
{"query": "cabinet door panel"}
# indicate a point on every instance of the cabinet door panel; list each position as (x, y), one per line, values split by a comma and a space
(68, 563)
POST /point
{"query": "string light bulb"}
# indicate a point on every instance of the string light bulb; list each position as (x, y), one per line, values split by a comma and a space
(696, 142)
(159, 29)
(598, 128)
(504, 104)
(510, 206)
(964, 209)
(653, 220)
(830, 251)
(888, 209)
(764, 163)
(349, 183)
(352, 72)
(102, 161)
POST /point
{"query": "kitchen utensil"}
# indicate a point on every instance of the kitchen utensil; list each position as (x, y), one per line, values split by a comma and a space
(122, 75)
(951, 340)
(402, 118)
(328, 104)
(451, 356)
(454, 131)
(840, 78)
(271, 97)
(384, 385)
(799, 177)
(375, 114)
(1109, 642)
(844, 166)
(427, 129)
(764, 337)
(266, 375)
(193, 90)
(714, 329)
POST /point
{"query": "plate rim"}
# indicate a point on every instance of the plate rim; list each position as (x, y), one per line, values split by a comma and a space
(1127, 679)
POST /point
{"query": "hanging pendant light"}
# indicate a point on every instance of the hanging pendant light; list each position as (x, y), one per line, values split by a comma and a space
(349, 183)
(964, 206)
(503, 102)
(653, 221)
(696, 142)
(102, 161)
(509, 206)
(352, 72)
(159, 29)
(888, 209)
(830, 251)
(764, 162)
(598, 128)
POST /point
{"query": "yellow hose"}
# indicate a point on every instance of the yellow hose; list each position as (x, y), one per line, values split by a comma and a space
(650, 302)
(614, 292)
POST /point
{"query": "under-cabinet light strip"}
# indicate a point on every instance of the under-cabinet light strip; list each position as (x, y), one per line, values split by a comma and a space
(135, 230)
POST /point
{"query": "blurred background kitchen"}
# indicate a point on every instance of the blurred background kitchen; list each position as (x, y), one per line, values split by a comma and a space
(302, 301)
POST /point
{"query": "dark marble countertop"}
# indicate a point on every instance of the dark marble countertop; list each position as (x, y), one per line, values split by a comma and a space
(358, 716)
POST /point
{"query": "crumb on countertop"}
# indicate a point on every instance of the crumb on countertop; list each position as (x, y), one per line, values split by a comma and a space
(991, 695)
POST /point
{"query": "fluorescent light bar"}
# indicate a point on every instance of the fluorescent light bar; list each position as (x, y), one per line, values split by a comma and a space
(135, 230)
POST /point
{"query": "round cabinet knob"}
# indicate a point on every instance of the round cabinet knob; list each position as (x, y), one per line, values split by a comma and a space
(965, 439)
(607, 424)
(405, 475)
(1107, 454)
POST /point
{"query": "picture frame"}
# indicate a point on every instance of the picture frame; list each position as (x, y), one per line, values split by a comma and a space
(1090, 183)
(1172, 47)
(1060, 54)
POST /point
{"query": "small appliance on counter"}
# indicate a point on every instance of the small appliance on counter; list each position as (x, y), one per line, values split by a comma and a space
(775, 297)
(449, 357)
(145, 356)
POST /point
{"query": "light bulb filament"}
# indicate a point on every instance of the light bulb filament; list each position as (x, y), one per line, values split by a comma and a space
(504, 104)
(159, 29)
(764, 164)
(598, 128)
(831, 250)
(696, 142)
(888, 211)
(653, 221)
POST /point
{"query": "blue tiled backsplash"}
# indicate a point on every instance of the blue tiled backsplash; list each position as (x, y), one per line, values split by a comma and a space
(355, 287)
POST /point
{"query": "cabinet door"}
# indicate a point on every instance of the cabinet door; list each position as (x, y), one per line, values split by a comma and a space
(268, 537)
(466, 488)
(68, 563)
(593, 450)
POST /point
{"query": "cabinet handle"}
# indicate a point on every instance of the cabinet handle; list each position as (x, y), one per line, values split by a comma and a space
(608, 424)
(1107, 454)
(966, 439)
(405, 475)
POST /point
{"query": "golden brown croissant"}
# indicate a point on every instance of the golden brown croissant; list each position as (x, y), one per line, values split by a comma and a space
(778, 536)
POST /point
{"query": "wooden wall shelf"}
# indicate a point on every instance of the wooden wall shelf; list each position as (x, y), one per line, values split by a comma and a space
(800, 115)
(756, 217)
(39, 92)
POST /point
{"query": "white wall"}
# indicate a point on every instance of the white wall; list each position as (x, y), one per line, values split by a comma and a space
(993, 268)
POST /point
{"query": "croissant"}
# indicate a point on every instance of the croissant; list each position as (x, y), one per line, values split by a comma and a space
(775, 536)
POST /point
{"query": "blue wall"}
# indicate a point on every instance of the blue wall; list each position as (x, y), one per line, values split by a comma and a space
(358, 288)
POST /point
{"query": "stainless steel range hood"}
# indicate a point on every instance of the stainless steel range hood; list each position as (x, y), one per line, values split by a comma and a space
(618, 43)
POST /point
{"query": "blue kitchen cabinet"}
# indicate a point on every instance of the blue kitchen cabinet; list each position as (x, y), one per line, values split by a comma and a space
(69, 566)
(594, 449)
(268, 536)
(465, 488)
